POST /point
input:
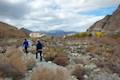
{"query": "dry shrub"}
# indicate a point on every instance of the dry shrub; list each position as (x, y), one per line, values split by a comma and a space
(78, 72)
(63, 61)
(49, 53)
(30, 63)
(18, 64)
(5, 68)
(13, 65)
(44, 73)
(49, 56)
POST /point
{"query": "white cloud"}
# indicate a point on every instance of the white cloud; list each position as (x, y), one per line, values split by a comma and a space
(77, 24)
(52, 14)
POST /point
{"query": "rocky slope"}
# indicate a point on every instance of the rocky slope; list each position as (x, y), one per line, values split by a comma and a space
(109, 24)
(8, 31)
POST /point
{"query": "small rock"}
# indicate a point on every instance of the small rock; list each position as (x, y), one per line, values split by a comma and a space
(86, 77)
(97, 70)
(49, 62)
(73, 78)
(90, 66)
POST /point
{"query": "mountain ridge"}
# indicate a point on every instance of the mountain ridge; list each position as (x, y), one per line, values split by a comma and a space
(26, 30)
(110, 24)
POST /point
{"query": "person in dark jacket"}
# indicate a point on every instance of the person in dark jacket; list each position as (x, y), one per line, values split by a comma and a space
(39, 47)
(25, 45)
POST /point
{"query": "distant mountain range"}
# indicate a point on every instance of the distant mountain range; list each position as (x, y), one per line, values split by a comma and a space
(109, 24)
(25, 30)
(57, 32)
(50, 33)
(8, 31)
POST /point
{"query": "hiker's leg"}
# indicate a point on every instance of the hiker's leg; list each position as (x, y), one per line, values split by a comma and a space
(26, 50)
(41, 55)
(36, 54)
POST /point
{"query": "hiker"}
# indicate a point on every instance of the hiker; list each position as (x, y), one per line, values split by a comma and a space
(39, 47)
(25, 46)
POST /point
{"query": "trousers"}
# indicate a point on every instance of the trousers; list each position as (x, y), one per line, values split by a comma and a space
(40, 54)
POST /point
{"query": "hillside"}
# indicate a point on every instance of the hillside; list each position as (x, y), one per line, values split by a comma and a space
(109, 24)
(8, 31)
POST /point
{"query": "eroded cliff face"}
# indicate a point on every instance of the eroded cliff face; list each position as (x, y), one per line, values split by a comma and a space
(109, 24)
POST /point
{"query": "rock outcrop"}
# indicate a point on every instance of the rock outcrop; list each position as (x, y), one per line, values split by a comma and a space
(110, 24)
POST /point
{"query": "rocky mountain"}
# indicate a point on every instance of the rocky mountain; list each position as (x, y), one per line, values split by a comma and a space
(109, 24)
(8, 31)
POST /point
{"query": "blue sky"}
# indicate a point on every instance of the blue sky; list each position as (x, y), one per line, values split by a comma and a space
(102, 11)
(45, 15)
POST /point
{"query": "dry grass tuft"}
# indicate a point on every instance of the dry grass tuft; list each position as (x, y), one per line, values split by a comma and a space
(18, 64)
(43, 73)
